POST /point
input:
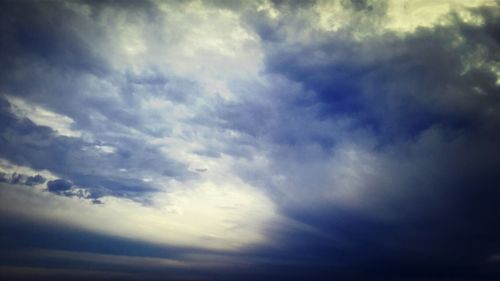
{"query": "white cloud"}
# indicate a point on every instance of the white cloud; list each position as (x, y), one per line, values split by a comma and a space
(406, 16)
(61, 124)
(106, 149)
(208, 215)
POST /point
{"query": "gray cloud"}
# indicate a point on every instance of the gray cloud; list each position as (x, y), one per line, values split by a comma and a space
(392, 133)
(59, 185)
(59, 49)
(17, 178)
(37, 179)
(377, 145)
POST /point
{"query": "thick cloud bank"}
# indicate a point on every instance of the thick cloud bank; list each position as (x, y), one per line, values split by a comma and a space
(250, 140)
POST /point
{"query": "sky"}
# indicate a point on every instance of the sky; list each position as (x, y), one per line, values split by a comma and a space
(250, 140)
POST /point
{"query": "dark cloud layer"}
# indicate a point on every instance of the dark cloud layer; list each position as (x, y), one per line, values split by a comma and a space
(380, 147)
(59, 185)
(428, 101)
(16, 178)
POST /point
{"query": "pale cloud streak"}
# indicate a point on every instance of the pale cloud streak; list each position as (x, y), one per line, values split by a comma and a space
(61, 124)
(206, 216)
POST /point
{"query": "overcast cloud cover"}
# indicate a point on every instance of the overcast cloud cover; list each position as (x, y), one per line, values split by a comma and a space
(250, 140)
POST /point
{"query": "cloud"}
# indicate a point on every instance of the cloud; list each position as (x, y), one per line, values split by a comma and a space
(33, 180)
(21, 175)
(40, 147)
(59, 185)
(364, 132)
(317, 138)
(58, 123)
(227, 216)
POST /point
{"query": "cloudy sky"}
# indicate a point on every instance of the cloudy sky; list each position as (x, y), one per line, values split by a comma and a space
(250, 140)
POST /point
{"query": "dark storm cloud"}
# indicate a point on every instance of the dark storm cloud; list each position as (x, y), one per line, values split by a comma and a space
(56, 33)
(16, 178)
(426, 103)
(37, 179)
(379, 148)
(43, 31)
(400, 86)
(59, 185)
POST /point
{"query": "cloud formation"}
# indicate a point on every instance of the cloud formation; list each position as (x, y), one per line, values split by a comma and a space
(304, 139)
